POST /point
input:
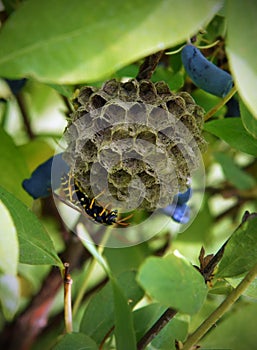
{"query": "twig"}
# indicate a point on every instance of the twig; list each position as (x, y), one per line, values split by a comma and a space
(156, 328)
(67, 104)
(212, 111)
(219, 312)
(25, 117)
(67, 281)
(55, 321)
(22, 333)
(148, 66)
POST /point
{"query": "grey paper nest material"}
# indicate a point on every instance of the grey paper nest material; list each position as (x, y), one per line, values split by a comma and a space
(138, 141)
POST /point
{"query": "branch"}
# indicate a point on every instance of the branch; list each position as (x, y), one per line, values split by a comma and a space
(67, 282)
(220, 311)
(156, 328)
(148, 66)
(25, 117)
(67, 103)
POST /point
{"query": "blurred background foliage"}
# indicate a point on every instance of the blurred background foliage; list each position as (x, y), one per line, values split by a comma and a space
(51, 48)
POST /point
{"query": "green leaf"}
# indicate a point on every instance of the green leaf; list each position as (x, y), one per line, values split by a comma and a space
(124, 331)
(117, 309)
(124, 259)
(216, 28)
(129, 71)
(233, 173)
(64, 90)
(9, 6)
(36, 152)
(13, 163)
(9, 295)
(88, 243)
(175, 80)
(249, 122)
(99, 317)
(74, 341)
(36, 247)
(241, 251)
(173, 282)
(236, 331)
(193, 236)
(241, 49)
(9, 248)
(233, 132)
(97, 39)
(34, 275)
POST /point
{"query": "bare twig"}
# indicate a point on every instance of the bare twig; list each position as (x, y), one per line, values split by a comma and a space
(156, 328)
(67, 104)
(25, 117)
(67, 282)
(148, 66)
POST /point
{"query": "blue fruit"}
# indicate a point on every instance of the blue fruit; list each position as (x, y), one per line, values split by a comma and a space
(16, 85)
(232, 108)
(42, 181)
(178, 210)
(183, 197)
(204, 73)
(181, 214)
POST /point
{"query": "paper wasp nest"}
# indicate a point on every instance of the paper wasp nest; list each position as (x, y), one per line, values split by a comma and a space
(137, 140)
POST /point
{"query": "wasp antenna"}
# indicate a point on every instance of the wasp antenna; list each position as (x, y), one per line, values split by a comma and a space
(71, 205)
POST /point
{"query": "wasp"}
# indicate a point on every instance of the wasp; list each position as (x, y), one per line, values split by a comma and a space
(76, 196)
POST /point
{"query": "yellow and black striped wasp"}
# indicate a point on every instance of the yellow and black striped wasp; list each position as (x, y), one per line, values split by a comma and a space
(77, 198)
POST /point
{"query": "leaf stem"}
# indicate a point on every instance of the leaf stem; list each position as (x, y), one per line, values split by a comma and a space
(219, 312)
(212, 111)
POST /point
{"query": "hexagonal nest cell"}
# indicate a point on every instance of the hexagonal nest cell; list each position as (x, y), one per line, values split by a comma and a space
(137, 130)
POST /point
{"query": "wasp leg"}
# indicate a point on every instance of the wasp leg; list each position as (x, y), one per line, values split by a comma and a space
(105, 209)
(93, 200)
(121, 221)
(71, 186)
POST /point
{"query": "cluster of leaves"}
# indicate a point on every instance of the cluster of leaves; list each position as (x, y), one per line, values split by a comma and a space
(123, 297)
